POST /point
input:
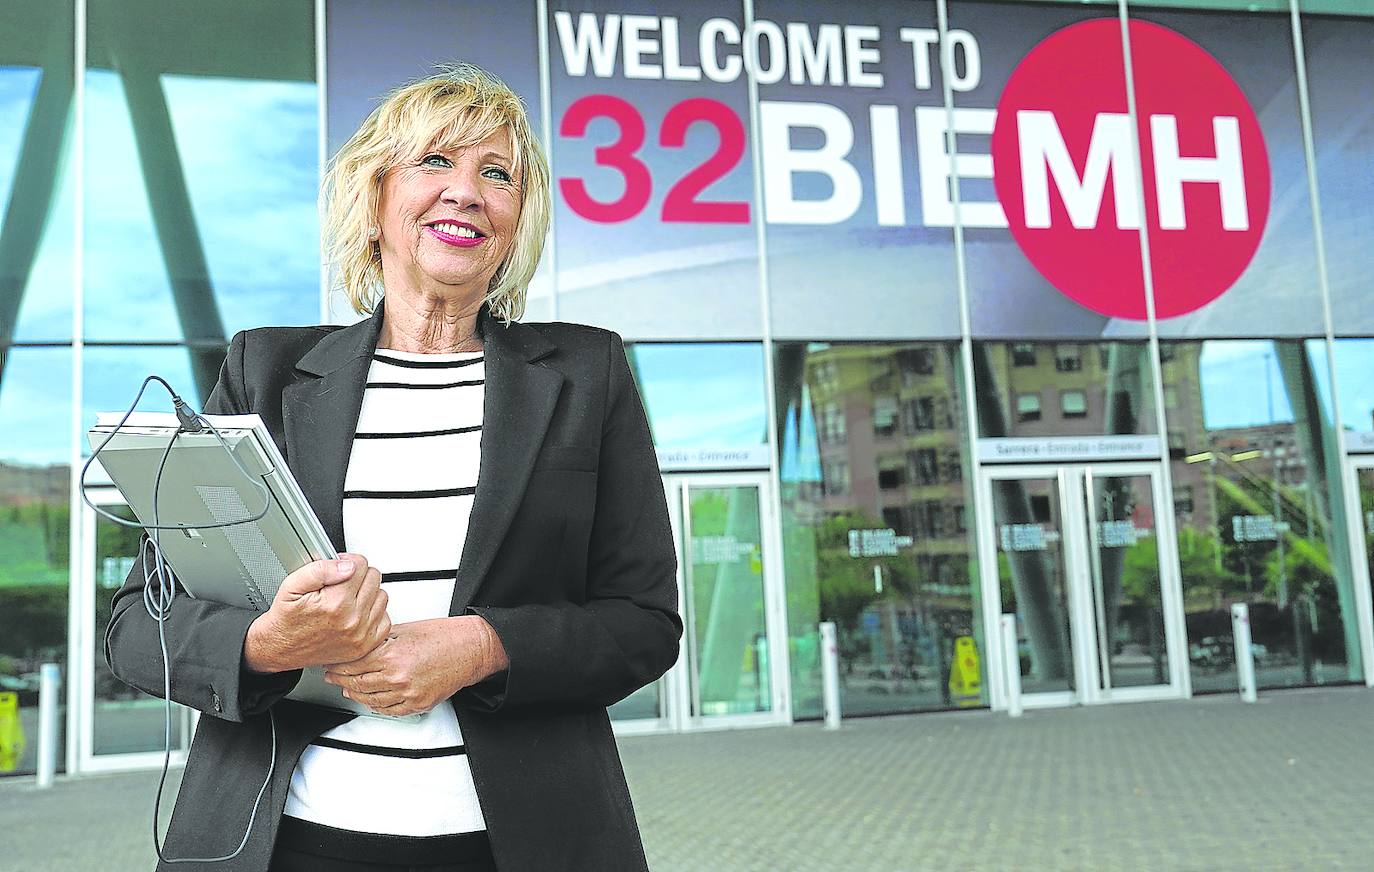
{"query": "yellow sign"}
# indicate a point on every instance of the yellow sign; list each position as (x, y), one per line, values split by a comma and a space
(11, 732)
(965, 681)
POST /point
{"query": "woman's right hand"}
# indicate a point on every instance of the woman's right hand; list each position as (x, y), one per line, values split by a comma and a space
(328, 611)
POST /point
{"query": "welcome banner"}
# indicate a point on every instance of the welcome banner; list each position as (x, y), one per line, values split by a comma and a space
(698, 157)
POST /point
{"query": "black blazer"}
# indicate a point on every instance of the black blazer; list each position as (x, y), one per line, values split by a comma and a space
(569, 556)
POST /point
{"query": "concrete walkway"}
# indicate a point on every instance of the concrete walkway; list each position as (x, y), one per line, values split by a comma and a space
(1208, 784)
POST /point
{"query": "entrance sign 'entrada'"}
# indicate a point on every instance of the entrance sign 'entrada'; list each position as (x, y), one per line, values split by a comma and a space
(1067, 176)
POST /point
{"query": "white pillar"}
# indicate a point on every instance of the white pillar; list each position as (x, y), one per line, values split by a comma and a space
(830, 675)
(1011, 664)
(49, 689)
(1245, 654)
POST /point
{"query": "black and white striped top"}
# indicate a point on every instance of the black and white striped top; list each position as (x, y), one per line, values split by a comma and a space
(407, 496)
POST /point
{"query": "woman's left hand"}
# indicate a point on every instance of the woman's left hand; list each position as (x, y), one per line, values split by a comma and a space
(421, 664)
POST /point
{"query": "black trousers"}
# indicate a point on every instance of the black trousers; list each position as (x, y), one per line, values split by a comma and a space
(303, 846)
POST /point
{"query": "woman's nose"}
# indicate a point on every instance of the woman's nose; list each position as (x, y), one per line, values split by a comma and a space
(463, 190)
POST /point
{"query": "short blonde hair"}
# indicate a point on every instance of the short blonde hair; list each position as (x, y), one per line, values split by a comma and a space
(457, 107)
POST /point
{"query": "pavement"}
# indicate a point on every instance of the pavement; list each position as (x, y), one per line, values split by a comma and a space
(1207, 784)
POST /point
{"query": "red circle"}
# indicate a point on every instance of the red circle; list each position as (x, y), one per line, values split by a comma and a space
(1077, 74)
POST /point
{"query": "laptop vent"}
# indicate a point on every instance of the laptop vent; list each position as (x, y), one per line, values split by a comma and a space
(247, 540)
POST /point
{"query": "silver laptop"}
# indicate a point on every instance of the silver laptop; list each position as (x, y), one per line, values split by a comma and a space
(242, 565)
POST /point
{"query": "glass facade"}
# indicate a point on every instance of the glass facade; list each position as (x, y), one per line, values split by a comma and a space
(884, 392)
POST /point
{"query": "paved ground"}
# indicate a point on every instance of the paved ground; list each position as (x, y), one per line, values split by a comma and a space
(1209, 784)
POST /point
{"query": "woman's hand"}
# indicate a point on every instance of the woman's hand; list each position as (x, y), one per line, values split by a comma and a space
(325, 612)
(422, 664)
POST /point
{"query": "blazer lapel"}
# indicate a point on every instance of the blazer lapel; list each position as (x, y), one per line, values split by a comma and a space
(320, 416)
(520, 396)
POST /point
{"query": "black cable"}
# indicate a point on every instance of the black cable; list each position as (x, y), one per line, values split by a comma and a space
(157, 599)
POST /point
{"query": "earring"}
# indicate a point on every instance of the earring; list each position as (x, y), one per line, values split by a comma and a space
(373, 233)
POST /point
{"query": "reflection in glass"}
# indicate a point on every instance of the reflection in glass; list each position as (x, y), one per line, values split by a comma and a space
(202, 175)
(112, 374)
(1124, 557)
(703, 395)
(1262, 520)
(725, 601)
(1063, 388)
(874, 495)
(124, 720)
(35, 530)
(1028, 518)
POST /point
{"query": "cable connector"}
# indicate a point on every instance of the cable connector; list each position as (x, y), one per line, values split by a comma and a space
(186, 416)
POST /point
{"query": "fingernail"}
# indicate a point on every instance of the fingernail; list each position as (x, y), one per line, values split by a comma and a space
(345, 568)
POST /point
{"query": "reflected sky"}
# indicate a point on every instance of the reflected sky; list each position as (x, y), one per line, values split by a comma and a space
(703, 395)
(35, 406)
(248, 152)
(46, 311)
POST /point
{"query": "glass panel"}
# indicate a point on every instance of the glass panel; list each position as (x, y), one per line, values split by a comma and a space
(1365, 479)
(1125, 566)
(1265, 521)
(1029, 531)
(725, 594)
(875, 524)
(35, 534)
(860, 245)
(659, 245)
(36, 194)
(645, 703)
(1231, 243)
(124, 720)
(112, 375)
(373, 47)
(202, 170)
(1034, 274)
(1340, 67)
(1104, 388)
(704, 396)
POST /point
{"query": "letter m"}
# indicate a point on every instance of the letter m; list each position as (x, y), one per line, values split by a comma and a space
(1044, 154)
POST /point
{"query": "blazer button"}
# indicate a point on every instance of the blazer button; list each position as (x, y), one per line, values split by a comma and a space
(214, 697)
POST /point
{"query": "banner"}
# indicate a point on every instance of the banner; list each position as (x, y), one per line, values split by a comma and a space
(658, 199)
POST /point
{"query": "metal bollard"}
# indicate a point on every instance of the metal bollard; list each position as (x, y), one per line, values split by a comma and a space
(1011, 664)
(1245, 653)
(830, 675)
(49, 690)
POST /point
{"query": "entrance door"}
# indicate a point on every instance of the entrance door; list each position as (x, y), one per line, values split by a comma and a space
(733, 668)
(116, 726)
(1074, 553)
(1359, 508)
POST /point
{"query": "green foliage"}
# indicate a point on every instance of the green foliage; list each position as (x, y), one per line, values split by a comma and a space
(34, 543)
(34, 619)
(846, 583)
(1204, 575)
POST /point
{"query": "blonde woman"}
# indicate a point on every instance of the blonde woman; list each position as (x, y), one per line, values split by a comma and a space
(507, 567)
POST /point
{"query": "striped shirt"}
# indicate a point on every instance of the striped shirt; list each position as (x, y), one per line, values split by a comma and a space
(408, 492)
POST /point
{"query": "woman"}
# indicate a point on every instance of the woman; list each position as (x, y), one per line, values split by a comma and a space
(509, 569)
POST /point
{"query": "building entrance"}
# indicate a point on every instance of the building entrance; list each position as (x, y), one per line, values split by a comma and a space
(733, 668)
(1075, 552)
(116, 727)
(1359, 510)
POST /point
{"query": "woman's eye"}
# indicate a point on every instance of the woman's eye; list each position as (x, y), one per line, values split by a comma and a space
(497, 173)
(443, 161)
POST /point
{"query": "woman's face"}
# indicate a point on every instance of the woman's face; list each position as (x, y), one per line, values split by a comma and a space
(447, 219)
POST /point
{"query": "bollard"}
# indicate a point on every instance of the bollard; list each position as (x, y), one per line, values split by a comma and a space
(49, 687)
(1011, 664)
(1245, 654)
(830, 675)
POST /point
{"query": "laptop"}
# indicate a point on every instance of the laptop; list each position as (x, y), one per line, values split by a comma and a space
(242, 565)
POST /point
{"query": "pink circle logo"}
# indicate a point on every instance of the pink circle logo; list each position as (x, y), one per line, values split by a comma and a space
(1066, 171)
